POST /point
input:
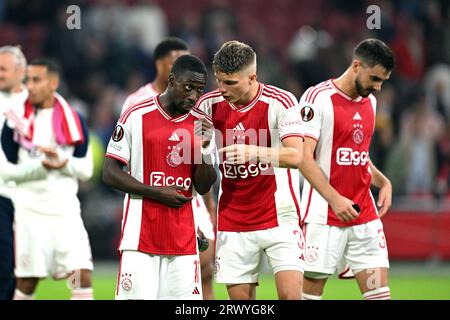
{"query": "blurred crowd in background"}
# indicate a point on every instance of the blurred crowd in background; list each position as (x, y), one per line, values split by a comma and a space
(299, 43)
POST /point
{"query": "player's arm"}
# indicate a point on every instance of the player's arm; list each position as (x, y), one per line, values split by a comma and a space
(341, 206)
(80, 164)
(288, 156)
(205, 174)
(385, 194)
(114, 176)
(9, 169)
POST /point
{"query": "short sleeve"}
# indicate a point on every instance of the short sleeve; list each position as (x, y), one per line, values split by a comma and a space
(119, 146)
(310, 115)
(289, 122)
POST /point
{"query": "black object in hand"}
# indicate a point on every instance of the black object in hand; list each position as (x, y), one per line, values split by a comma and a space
(203, 243)
(356, 207)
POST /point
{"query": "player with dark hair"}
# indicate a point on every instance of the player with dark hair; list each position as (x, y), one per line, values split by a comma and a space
(49, 232)
(165, 54)
(155, 138)
(342, 221)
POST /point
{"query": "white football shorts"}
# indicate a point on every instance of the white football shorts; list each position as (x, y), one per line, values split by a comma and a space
(328, 248)
(239, 254)
(145, 276)
(50, 245)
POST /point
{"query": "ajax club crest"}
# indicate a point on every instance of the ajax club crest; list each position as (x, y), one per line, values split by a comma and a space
(174, 158)
(358, 134)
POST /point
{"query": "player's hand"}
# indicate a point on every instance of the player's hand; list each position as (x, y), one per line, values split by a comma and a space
(49, 152)
(384, 199)
(205, 129)
(52, 161)
(54, 164)
(343, 209)
(240, 153)
(173, 196)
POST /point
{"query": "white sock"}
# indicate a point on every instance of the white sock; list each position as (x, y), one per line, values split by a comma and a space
(307, 296)
(19, 295)
(82, 294)
(383, 293)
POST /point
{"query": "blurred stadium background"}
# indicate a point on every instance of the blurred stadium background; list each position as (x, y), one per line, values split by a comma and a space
(299, 43)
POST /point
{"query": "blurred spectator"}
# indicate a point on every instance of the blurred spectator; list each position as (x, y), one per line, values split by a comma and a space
(219, 25)
(145, 25)
(415, 167)
(437, 86)
(384, 127)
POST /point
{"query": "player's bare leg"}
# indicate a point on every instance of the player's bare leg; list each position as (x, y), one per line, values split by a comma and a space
(373, 284)
(207, 269)
(313, 288)
(243, 291)
(81, 283)
(25, 288)
(289, 284)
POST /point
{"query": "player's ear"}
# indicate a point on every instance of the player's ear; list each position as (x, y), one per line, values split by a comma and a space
(356, 65)
(54, 81)
(171, 79)
(252, 78)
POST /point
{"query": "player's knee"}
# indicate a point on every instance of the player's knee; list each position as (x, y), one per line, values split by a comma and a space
(290, 294)
(27, 285)
(85, 278)
(313, 283)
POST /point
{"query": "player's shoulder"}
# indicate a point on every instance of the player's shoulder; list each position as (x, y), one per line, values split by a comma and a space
(278, 96)
(210, 98)
(315, 93)
(373, 99)
(199, 114)
(142, 104)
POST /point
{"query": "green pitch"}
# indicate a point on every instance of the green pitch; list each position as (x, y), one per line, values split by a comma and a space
(406, 287)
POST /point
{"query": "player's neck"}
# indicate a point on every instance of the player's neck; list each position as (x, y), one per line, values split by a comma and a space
(167, 104)
(49, 103)
(250, 94)
(346, 84)
(18, 88)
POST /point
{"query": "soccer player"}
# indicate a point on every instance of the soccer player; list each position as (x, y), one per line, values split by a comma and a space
(258, 209)
(155, 138)
(165, 54)
(49, 232)
(342, 219)
(12, 95)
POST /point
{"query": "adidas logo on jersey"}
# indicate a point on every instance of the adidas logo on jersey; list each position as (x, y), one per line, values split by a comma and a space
(357, 116)
(196, 291)
(239, 127)
(174, 137)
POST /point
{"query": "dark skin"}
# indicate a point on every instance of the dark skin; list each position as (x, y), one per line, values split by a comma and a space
(179, 98)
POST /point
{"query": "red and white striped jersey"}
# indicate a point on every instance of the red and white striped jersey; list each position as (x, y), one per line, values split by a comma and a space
(343, 128)
(147, 90)
(159, 151)
(255, 196)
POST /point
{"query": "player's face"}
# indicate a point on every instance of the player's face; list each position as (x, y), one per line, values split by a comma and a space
(235, 87)
(165, 64)
(41, 85)
(370, 79)
(187, 89)
(11, 74)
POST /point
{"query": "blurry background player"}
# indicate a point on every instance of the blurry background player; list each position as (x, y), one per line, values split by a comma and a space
(339, 119)
(155, 139)
(258, 211)
(49, 232)
(12, 96)
(165, 54)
